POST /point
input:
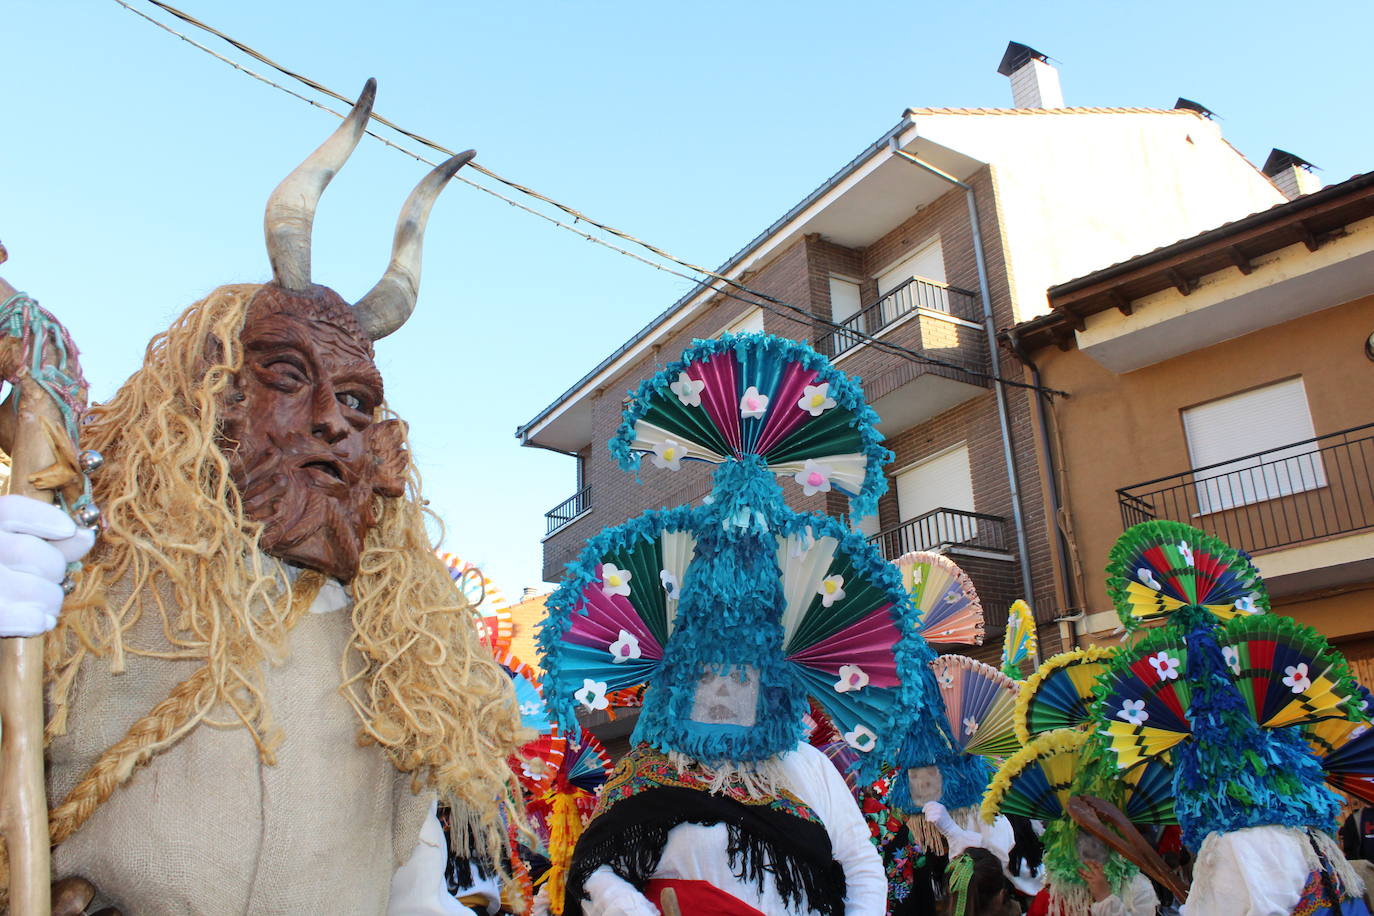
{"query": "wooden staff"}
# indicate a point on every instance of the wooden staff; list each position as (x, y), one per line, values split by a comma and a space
(1094, 815)
(29, 418)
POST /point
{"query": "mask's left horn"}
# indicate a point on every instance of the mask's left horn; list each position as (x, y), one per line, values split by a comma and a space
(387, 306)
(291, 208)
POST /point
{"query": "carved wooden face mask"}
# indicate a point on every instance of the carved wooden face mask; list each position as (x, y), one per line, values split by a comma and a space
(298, 422)
(298, 429)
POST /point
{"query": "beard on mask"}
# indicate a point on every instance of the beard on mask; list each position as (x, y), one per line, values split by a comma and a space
(303, 523)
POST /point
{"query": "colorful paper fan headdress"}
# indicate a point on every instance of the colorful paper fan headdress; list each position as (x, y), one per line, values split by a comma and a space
(774, 604)
(1059, 694)
(1019, 642)
(946, 602)
(1221, 688)
(972, 695)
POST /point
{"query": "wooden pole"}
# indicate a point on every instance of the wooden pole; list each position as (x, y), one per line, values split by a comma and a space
(23, 799)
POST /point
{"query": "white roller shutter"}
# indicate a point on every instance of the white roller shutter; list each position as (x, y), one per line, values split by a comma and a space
(1262, 420)
(943, 480)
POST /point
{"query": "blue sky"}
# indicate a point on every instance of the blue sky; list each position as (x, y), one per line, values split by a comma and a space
(134, 167)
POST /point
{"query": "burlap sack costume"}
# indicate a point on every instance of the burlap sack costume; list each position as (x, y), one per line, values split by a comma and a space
(322, 831)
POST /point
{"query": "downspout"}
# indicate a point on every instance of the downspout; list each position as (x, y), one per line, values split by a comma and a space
(1065, 560)
(990, 330)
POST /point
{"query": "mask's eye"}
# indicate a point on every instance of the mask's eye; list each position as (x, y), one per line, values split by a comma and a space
(351, 401)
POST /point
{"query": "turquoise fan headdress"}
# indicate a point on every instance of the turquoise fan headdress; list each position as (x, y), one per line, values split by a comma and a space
(778, 605)
(761, 397)
(1225, 688)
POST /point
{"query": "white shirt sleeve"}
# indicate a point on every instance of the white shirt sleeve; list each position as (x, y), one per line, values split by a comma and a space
(1137, 898)
(1257, 871)
(418, 887)
(815, 781)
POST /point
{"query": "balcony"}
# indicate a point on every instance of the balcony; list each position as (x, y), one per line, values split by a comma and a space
(980, 544)
(910, 298)
(1302, 507)
(940, 529)
(568, 510)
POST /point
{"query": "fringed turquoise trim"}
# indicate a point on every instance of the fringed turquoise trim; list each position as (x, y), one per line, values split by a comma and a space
(847, 392)
(562, 604)
(728, 616)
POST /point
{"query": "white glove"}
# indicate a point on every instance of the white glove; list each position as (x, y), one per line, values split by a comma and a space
(608, 894)
(957, 839)
(938, 815)
(37, 541)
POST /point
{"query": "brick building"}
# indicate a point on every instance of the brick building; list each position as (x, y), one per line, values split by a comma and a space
(1223, 381)
(951, 225)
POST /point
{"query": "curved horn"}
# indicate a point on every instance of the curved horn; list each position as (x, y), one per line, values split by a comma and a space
(387, 306)
(291, 208)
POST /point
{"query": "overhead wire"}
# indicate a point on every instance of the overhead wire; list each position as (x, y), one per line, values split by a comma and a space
(772, 304)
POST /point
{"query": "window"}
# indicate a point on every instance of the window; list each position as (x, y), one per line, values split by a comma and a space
(844, 307)
(943, 481)
(1265, 420)
(899, 295)
(751, 322)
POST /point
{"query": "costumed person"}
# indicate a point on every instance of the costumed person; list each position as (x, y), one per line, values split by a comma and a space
(943, 764)
(1227, 688)
(734, 613)
(264, 677)
(1082, 876)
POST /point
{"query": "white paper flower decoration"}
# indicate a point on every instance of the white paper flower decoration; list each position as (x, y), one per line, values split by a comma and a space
(1187, 552)
(532, 708)
(1165, 665)
(946, 680)
(816, 399)
(970, 727)
(592, 694)
(852, 677)
(624, 648)
(1247, 605)
(1232, 658)
(1297, 679)
(831, 590)
(668, 454)
(753, 404)
(533, 768)
(688, 389)
(814, 478)
(861, 739)
(1133, 712)
(615, 581)
(670, 584)
(1148, 579)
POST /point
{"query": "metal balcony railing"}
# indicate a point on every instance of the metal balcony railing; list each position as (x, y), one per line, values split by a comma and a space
(568, 509)
(916, 293)
(1298, 492)
(943, 528)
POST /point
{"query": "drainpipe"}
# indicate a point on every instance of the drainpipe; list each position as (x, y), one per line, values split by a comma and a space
(990, 329)
(1042, 422)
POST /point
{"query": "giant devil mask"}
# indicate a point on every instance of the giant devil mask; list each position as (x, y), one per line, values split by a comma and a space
(300, 422)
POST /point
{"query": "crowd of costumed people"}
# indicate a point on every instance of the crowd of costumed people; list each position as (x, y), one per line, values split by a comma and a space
(801, 747)
(261, 691)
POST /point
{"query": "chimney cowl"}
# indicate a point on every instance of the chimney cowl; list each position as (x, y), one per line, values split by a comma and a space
(1017, 56)
(1291, 174)
(1034, 80)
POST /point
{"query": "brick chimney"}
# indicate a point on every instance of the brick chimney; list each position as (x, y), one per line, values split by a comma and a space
(1292, 174)
(1034, 80)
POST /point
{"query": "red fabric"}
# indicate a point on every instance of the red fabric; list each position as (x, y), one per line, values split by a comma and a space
(695, 897)
(1040, 906)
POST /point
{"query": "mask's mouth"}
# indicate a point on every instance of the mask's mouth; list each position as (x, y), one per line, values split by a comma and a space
(325, 473)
